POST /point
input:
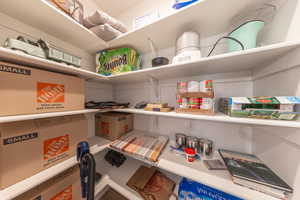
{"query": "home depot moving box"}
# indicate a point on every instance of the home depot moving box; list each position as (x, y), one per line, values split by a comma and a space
(27, 90)
(65, 186)
(28, 147)
(113, 125)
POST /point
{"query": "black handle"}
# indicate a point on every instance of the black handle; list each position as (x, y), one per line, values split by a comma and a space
(89, 161)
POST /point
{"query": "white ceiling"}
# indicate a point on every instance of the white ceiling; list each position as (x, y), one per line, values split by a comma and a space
(115, 7)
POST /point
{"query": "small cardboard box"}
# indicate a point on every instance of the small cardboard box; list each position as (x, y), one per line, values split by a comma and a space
(26, 90)
(28, 147)
(66, 185)
(279, 107)
(113, 125)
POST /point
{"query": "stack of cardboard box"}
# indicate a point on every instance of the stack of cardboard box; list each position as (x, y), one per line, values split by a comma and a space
(31, 146)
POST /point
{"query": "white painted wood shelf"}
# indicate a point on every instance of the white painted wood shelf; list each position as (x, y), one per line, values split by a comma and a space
(117, 178)
(17, 57)
(219, 117)
(229, 62)
(177, 164)
(45, 17)
(15, 118)
(196, 171)
(206, 16)
(97, 144)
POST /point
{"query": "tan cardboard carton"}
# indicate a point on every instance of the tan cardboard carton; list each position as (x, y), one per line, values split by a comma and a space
(65, 186)
(113, 125)
(28, 147)
(26, 90)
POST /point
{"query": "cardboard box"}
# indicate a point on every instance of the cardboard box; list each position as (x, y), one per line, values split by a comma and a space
(113, 125)
(63, 186)
(28, 147)
(26, 90)
(279, 107)
(152, 184)
(111, 194)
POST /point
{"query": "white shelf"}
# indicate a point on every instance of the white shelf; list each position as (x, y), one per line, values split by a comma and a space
(28, 60)
(15, 118)
(117, 178)
(45, 17)
(219, 117)
(98, 144)
(229, 62)
(208, 17)
(198, 172)
(33, 181)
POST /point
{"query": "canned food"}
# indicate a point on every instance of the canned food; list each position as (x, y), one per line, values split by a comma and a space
(194, 106)
(179, 99)
(205, 147)
(180, 140)
(206, 103)
(190, 154)
(182, 86)
(206, 86)
(201, 142)
(185, 103)
(194, 100)
(192, 142)
(193, 86)
(194, 103)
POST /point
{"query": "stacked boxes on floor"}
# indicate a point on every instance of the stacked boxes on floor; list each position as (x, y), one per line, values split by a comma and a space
(29, 147)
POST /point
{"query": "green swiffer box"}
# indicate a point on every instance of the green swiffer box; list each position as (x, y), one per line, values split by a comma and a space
(115, 61)
(279, 107)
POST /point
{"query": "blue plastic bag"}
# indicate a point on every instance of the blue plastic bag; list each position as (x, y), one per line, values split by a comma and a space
(191, 190)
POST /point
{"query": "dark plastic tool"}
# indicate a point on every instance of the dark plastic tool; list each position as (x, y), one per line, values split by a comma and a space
(87, 170)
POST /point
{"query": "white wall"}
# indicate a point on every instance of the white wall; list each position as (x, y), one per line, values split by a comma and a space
(230, 136)
(285, 26)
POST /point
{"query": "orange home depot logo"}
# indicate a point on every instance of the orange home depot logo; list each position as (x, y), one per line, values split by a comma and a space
(50, 93)
(56, 146)
(66, 194)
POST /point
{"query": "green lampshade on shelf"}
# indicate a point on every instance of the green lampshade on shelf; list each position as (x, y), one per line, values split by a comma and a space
(246, 34)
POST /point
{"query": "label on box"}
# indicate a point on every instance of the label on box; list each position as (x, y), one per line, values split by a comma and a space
(15, 70)
(20, 138)
(50, 95)
(66, 194)
(55, 148)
